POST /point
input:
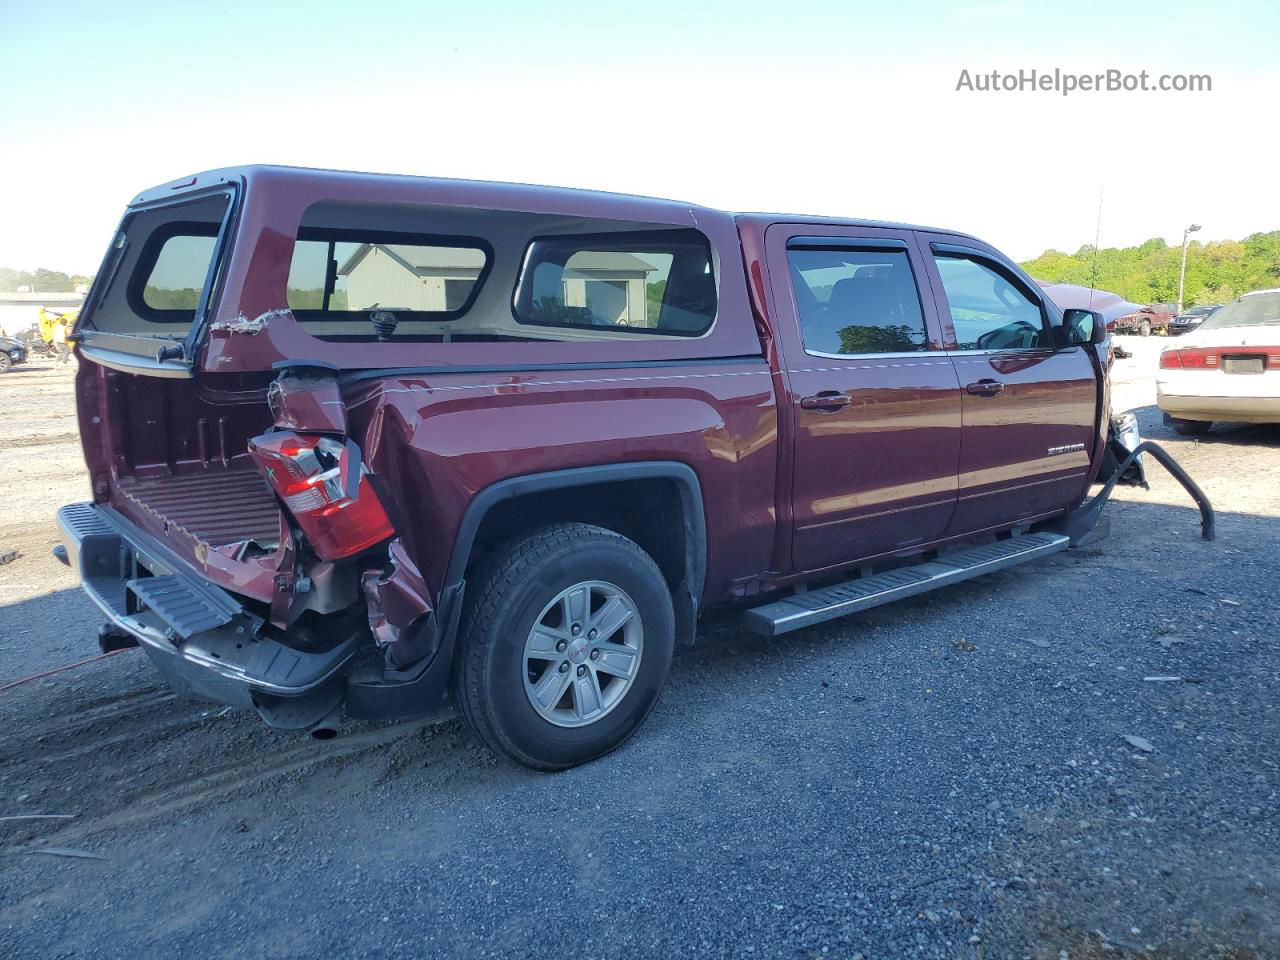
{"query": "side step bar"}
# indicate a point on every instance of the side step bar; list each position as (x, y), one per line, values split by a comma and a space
(817, 606)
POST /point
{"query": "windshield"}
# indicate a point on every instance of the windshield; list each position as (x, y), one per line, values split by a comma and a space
(1249, 311)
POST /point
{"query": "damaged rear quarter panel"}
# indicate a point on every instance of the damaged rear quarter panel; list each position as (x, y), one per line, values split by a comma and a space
(437, 440)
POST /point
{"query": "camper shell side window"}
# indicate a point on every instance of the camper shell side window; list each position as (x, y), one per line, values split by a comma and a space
(441, 274)
(641, 282)
(337, 272)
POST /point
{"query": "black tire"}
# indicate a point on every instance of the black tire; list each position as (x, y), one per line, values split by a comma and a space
(6, 362)
(1188, 428)
(1144, 329)
(505, 599)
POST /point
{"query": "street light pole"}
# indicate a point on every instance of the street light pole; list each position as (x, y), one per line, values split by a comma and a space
(1182, 273)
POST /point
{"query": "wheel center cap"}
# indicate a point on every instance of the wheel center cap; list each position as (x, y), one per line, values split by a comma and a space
(578, 650)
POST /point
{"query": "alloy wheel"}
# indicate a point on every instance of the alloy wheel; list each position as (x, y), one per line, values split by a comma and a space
(583, 653)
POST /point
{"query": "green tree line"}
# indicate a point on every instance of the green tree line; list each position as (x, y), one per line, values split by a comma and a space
(40, 280)
(188, 298)
(1217, 272)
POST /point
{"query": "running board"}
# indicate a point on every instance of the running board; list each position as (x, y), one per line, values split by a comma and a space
(827, 603)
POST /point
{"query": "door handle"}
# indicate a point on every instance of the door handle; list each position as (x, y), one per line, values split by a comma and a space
(828, 400)
(985, 388)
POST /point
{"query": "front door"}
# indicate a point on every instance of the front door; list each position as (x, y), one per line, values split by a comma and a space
(875, 403)
(1029, 405)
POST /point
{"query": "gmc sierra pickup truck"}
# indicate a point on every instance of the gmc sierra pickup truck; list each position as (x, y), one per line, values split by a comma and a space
(362, 443)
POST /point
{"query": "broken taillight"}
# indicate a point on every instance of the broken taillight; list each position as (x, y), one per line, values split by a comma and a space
(321, 481)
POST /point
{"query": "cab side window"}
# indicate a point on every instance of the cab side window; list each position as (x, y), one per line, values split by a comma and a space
(856, 301)
(988, 311)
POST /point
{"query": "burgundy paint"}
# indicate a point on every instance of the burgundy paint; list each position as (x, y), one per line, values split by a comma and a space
(308, 402)
(1049, 400)
(881, 471)
(436, 441)
(725, 404)
(275, 199)
(398, 600)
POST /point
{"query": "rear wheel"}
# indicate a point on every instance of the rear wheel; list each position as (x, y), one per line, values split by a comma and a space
(1188, 428)
(567, 642)
(1144, 328)
(6, 362)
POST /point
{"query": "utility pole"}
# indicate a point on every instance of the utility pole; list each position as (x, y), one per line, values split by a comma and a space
(1182, 273)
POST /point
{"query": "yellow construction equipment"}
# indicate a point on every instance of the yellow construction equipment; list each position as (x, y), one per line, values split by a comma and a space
(49, 319)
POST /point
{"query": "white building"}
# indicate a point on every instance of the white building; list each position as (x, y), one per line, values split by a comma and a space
(610, 284)
(404, 277)
(398, 276)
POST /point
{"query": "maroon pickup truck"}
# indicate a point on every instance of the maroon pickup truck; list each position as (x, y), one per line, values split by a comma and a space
(366, 443)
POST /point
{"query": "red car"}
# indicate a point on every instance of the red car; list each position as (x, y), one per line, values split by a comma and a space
(1148, 320)
(359, 442)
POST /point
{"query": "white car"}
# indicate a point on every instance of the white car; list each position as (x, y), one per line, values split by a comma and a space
(1228, 368)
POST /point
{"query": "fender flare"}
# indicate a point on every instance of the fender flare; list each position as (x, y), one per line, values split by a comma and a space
(693, 517)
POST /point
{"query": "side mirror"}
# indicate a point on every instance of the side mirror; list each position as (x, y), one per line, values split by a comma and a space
(1082, 326)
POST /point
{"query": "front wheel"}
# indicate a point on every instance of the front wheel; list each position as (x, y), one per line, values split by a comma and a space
(5, 362)
(567, 642)
(1144, 329)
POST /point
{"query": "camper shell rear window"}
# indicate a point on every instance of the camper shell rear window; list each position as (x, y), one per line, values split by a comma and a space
(167, 287)
(161, 268)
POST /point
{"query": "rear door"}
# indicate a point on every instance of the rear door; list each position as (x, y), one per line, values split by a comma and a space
(874, 400)
(1029, 407)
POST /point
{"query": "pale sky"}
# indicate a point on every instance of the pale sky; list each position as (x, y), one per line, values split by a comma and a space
(846, 109)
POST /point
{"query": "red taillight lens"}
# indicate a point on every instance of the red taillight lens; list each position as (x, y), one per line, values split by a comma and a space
(322, 483)
(1191, 358)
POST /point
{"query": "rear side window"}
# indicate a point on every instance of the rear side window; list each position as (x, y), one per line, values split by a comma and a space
(857, 301)
(335, 274)
(988, 311)
(629, 283)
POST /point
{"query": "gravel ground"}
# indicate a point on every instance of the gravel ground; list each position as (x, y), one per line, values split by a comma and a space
(945, 777)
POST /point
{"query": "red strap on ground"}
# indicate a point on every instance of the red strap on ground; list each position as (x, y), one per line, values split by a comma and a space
(70, 666)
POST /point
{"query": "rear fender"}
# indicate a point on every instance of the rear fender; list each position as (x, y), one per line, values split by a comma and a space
(693, 520)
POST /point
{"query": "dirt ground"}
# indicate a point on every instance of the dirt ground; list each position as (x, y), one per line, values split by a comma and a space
(966, 774)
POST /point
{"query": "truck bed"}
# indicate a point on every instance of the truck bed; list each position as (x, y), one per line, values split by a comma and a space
(214, 507)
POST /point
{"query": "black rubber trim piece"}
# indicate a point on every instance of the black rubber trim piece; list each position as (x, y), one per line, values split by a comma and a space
(1078, 523)
(377, 693)
(1019, 278)
(291, 364)
(845, 243)
(685, 479)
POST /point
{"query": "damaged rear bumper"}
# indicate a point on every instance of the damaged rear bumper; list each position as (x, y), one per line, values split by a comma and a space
(199, 636)
(206, 643)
